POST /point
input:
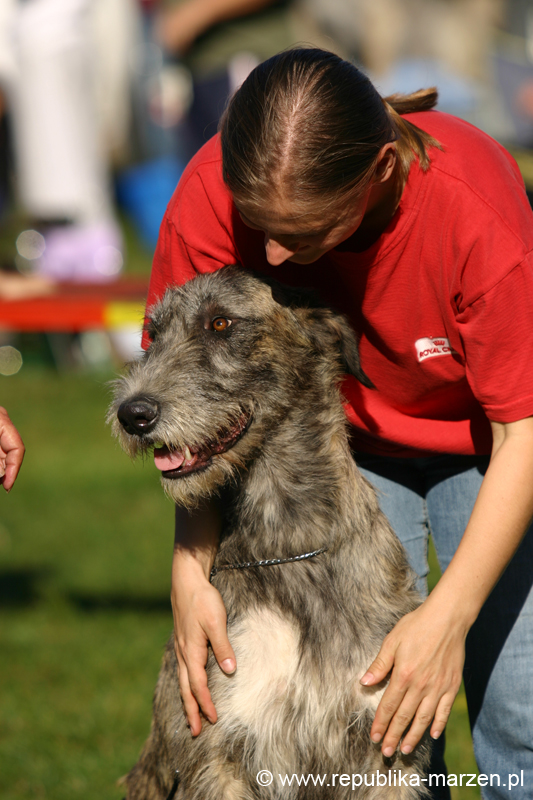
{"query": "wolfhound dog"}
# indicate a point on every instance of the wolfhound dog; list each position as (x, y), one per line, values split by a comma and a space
(238, 396)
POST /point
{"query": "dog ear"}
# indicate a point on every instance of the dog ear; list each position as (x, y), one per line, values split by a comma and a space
(329, 329)
(292, 296)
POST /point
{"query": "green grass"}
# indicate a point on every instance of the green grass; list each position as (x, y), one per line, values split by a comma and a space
(85, 546)
(85, 550)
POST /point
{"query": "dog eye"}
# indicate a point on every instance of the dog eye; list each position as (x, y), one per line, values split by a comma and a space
(220, 324)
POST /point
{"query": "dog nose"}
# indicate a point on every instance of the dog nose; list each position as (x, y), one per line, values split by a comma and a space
(138, 415)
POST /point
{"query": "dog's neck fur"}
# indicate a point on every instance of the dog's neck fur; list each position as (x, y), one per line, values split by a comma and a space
(282, 510)
(279, 494)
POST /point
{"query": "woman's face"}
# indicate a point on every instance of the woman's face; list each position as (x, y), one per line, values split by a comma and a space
(305, 237)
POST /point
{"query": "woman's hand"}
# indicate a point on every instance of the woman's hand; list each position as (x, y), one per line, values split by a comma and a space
(199, 619)
(11, 451)
(425, 652)
(199, 613)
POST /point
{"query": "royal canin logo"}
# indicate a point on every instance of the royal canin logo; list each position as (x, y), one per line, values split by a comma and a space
(429, 347)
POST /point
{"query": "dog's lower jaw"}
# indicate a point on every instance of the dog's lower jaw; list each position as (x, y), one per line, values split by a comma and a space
(197, 458)
(189, 490)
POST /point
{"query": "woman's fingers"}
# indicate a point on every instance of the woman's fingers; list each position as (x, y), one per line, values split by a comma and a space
(442, 714)
(395, 691)
(393, 716)
(12, 465)
(419, 725)
(427, 716)
(192, 710)
(194, 655)
(380, 667)
(421, 716)
(223, 651)
(418, 716)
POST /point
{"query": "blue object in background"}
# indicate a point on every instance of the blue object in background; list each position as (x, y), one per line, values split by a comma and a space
(515, 75)
(477, 102)
(457, 95)
(144, 192)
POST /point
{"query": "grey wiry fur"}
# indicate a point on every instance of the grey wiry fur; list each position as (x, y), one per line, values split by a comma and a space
(303, 633)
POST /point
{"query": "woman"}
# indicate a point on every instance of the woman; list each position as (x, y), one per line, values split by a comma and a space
(418, 228)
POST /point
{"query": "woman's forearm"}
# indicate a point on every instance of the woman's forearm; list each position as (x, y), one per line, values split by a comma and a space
(500, 517)
(196, 538)
(425, 650)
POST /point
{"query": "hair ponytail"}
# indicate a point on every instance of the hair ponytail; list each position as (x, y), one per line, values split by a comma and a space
(411, 139)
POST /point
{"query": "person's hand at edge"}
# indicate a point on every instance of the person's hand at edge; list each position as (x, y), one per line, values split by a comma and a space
(11, 451)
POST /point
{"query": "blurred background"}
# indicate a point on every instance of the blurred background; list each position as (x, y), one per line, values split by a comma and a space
(102, 103)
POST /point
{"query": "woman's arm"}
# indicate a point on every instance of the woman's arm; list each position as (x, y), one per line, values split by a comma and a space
(425, 650)
(178, 27)
(199, 613)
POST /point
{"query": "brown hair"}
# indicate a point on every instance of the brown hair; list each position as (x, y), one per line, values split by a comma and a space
(309, 124)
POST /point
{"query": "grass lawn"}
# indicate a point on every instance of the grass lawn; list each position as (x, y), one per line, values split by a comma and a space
(85, 544)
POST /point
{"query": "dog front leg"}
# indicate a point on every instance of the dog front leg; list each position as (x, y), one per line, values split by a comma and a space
(216, 781)
(153, 775)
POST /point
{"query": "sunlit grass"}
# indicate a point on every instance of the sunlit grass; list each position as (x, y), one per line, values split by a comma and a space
(85, 543)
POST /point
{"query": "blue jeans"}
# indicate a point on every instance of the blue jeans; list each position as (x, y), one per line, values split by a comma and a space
(436, 495)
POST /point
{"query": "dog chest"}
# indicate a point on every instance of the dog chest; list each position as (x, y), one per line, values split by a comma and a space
(278, 694)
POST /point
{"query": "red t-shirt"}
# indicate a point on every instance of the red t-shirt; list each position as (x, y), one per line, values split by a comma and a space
(443, 300)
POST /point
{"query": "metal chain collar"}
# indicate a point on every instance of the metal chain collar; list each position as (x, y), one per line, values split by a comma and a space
(268, 562)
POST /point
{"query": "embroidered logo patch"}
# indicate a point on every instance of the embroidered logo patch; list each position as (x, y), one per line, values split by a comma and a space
(431, 346)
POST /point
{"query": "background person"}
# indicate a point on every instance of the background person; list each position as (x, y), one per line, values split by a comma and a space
(65, 75)
(219, 42)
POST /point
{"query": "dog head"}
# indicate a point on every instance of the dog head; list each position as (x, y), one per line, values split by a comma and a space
(231, 355)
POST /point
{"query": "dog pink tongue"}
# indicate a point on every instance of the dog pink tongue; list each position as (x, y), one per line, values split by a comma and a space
(166, 459)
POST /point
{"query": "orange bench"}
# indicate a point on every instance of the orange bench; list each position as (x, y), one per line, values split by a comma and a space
(75, 307)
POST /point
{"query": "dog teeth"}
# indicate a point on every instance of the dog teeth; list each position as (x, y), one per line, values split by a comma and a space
(187, 453)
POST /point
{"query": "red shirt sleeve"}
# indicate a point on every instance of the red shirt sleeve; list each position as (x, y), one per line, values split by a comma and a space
(498, 345)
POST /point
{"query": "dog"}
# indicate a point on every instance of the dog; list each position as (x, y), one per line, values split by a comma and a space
(239, 395)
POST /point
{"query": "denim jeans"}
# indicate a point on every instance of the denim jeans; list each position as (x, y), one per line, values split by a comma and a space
(436, 495)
